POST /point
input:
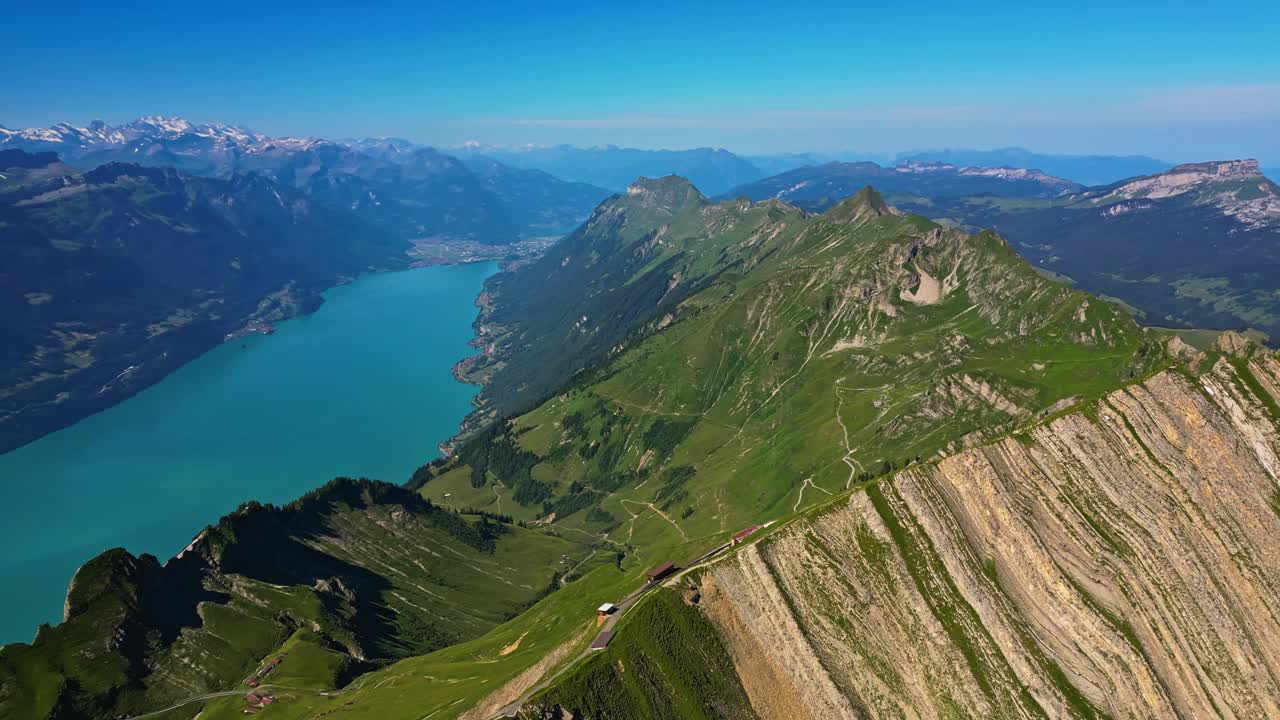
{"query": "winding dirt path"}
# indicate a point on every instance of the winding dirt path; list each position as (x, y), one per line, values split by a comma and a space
(808, 482)
(654, 508)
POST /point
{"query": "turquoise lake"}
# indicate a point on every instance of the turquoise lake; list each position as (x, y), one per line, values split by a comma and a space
(362, 387)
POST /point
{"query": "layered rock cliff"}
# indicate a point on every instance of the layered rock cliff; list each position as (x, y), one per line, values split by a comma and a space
(1118, 561)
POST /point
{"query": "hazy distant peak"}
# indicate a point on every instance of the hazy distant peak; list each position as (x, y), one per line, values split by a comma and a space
(1219, 169)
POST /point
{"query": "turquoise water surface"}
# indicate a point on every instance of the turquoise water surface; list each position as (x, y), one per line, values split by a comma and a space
(362, 387)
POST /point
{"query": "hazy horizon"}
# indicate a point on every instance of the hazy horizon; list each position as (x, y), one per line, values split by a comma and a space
(1085, 79)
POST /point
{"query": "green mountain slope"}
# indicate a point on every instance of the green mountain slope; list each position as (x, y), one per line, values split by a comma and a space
(638, 255)
(1114, 561)
(845, 344)
(349, 577)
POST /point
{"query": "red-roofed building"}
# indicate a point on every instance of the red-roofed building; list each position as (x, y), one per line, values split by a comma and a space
(660, 572)
(743, 534)
(602, 640)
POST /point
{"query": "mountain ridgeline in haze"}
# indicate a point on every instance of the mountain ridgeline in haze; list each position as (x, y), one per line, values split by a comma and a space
(409, 191)
(713, 170)
(961, 456)
(817, 188)
(1084, 169)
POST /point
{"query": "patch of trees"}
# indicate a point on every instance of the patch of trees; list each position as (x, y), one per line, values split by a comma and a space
(494, 451)
(496, 517)
(425, 473)
(664, 435)
(567, 505)
(575, 423)
(416, 635)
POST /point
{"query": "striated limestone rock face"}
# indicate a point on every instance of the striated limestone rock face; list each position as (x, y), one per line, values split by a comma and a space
(1116, 562)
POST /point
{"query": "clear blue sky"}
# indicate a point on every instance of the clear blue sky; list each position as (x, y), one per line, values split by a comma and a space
(1181, 81)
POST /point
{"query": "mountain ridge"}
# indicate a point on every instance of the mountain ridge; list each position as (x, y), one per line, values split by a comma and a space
(818, 187)
(412, 191)
(1084, 169)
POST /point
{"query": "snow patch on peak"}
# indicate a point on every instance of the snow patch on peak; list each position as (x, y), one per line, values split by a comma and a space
(171, 125)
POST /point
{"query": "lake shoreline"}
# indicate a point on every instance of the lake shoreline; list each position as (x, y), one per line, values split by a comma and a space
(155, 469)
(139, 376)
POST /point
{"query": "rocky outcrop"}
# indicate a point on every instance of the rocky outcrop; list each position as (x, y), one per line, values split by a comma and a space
(1116, 561)
(1236, 187)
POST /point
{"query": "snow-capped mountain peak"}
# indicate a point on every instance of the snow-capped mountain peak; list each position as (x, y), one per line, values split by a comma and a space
(163, 124)
(151, 131)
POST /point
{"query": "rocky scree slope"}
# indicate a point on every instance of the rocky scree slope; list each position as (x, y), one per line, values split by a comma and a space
(1114, 561)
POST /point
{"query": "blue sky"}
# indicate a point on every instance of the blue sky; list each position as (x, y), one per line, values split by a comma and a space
(1182, 81)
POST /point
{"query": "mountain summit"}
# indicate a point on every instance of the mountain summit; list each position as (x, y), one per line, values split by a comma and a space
(867, 203)
(671, 192)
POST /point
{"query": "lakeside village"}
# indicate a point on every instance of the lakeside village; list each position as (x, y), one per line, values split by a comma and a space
(257, 327)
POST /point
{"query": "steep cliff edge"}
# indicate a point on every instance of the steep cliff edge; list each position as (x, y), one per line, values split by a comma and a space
(1118, 561)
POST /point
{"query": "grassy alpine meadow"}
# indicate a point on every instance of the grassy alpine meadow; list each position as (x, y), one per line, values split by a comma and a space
(455, 679)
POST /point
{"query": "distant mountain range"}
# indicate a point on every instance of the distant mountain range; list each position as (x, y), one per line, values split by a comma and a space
(1084, 169)
(712, 170)
(817, 188)
(779, 163)
(408, 190)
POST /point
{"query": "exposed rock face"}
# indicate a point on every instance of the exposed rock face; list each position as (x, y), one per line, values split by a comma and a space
(1116, 562)
(1236, 187)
